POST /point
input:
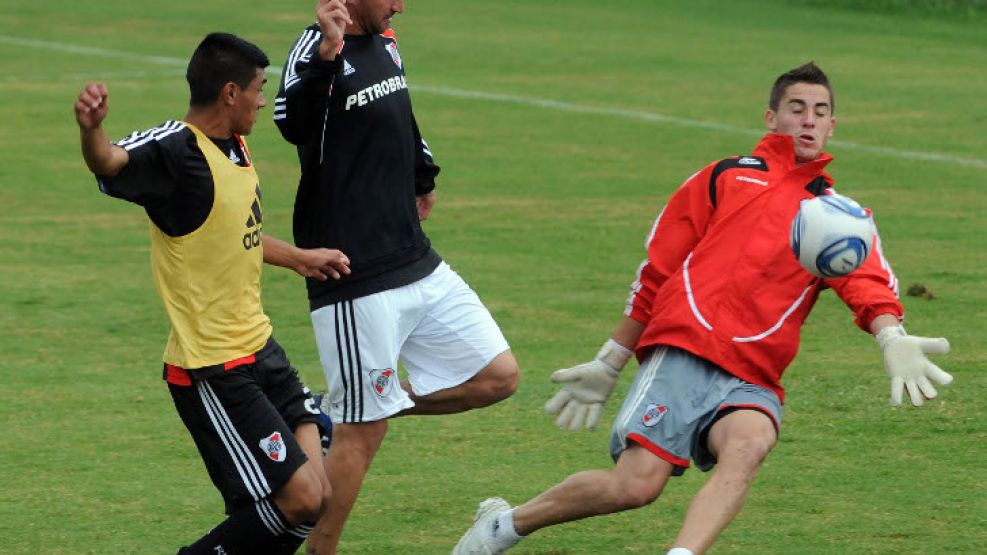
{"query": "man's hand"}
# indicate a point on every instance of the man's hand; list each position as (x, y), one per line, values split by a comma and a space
(425, 203)
(92, 106)
(322, 264)
(102, 157)
(333, 18)
(587, 387)
(907, 365)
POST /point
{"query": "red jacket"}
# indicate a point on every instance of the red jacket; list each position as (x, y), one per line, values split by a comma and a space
(722, 282)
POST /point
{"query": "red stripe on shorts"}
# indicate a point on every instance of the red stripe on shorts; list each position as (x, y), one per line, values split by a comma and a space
(658, 451)
(249, 359)
(179, 376)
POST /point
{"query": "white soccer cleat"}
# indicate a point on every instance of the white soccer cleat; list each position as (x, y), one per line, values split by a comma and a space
(474, 541)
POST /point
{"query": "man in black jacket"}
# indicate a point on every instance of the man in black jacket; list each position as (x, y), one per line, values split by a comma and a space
(367, 180)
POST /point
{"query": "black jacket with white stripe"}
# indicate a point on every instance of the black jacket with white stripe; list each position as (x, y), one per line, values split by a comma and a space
(363, 162)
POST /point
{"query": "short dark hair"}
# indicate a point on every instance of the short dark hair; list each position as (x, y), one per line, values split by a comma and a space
(219, 59)
(805, 73)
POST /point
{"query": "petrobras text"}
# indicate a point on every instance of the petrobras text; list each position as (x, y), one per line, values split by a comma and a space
(373, 92)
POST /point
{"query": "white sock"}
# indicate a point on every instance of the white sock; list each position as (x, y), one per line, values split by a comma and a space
(504, 535)
(679, 551)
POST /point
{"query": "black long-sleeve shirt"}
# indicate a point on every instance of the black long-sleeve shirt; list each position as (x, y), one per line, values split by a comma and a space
(363, 162)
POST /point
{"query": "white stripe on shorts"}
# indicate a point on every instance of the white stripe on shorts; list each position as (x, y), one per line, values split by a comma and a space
(650, 370)
(269, 517)
(244, 461)
(301, 531)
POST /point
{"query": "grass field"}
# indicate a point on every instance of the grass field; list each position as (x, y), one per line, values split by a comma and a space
(562, 127)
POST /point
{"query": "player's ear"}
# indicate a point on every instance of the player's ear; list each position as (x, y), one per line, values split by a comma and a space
(229, 93)
(770, 119)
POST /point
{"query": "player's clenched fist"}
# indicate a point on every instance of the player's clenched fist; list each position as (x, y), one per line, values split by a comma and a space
(92, 106)
(333, 18)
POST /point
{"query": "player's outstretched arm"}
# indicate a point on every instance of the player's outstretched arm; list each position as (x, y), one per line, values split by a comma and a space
(320, 264)
(905, 361)
(91, 108)
(587, 387)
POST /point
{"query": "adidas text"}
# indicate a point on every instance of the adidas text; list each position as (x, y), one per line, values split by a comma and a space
(251, 239)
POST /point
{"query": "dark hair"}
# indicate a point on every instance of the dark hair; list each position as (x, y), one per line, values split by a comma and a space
(219, 59)
(805, 73)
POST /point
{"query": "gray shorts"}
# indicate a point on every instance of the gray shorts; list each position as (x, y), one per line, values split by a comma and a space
(675, 399)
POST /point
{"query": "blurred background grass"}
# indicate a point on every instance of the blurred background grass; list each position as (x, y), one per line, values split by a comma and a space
(562, 127)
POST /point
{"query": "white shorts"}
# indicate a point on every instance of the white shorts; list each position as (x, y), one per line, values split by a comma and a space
(437, 327)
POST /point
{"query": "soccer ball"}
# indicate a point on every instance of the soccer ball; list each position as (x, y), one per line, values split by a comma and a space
(831, 235)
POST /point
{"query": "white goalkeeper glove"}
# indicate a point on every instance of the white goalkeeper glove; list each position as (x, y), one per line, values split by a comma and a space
(907, 365)
(587, 387)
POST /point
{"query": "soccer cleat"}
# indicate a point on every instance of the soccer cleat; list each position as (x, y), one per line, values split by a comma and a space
(475, 540)
(325, 435)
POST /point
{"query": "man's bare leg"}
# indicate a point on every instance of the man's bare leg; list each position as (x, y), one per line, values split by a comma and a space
(352, 450)
(740, 441)
(495, 382)
(305, 498)
(636, 480)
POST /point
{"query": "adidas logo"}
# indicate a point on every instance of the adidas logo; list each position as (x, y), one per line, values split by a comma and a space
(347, 68)
(233, 157)
(251, 238)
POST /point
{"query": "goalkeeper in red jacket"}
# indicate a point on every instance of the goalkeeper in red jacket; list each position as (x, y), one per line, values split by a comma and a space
(714, 318)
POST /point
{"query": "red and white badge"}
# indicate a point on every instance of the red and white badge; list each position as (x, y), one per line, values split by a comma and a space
(392, 49)
(653, 414)
(381, 381)
(274, 447)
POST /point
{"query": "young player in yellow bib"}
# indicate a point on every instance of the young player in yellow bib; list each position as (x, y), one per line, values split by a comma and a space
(252, 420)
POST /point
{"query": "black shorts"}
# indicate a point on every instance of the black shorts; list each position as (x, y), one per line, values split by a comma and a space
(242, 420)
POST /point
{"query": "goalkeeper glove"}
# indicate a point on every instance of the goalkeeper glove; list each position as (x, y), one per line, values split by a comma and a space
(587, 387)
(907, 365)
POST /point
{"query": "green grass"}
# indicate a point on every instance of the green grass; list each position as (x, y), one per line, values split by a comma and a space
(544, 211)
(937, 8)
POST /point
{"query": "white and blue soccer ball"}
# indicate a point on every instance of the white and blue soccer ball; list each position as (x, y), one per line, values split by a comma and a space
(831, 235)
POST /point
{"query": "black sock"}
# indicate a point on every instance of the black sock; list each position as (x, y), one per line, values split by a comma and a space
(258, 528)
